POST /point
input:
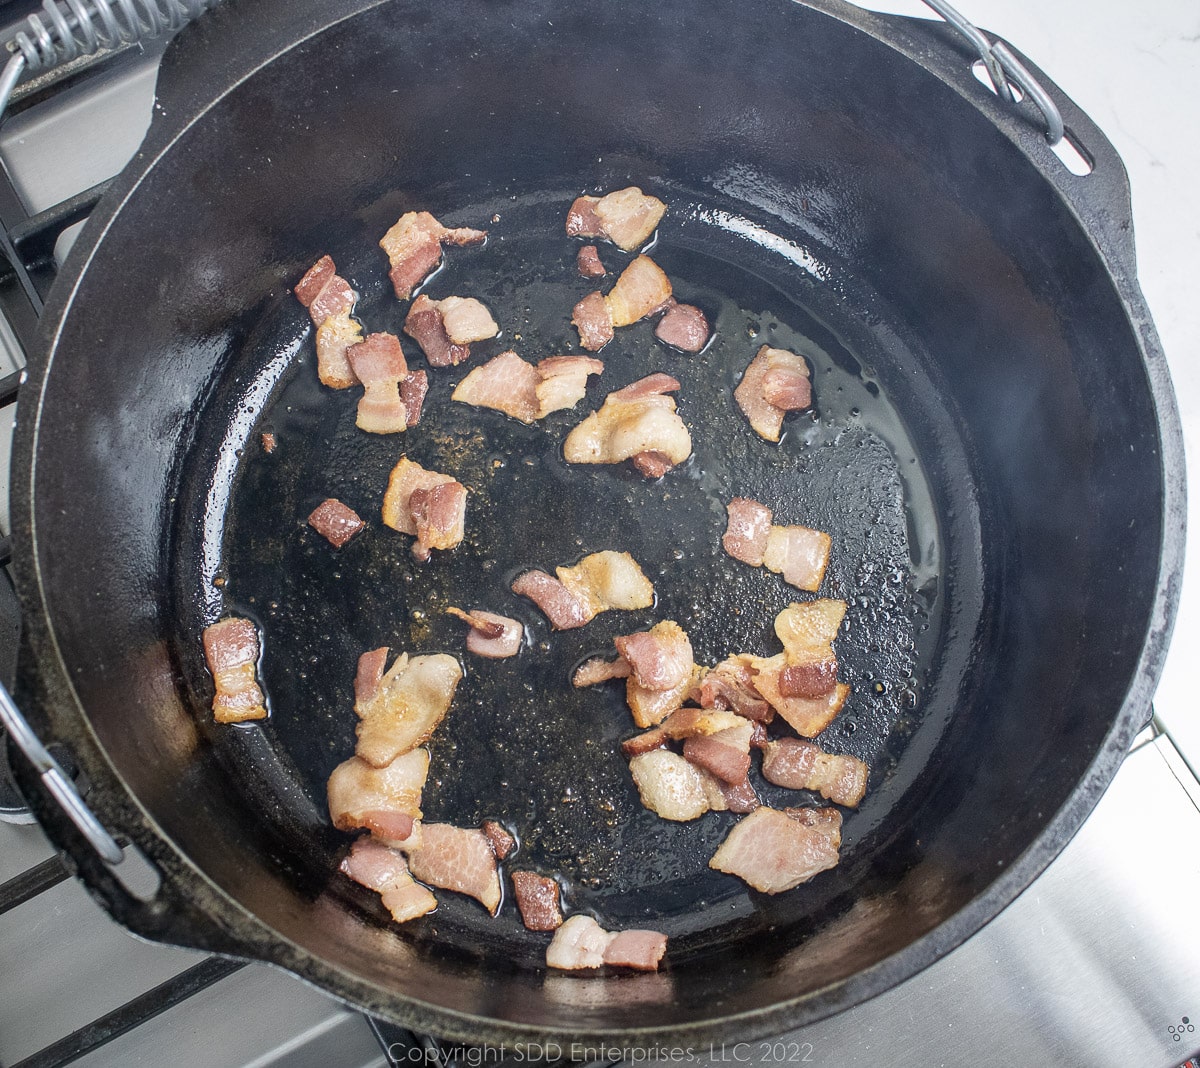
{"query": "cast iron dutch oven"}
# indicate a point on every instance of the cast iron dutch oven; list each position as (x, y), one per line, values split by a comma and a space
(994, 450)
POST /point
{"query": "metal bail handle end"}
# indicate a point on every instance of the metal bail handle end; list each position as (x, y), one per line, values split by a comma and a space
(1004, 69)
(56, 781)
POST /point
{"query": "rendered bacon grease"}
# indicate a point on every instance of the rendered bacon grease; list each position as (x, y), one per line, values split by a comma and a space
(699, 727)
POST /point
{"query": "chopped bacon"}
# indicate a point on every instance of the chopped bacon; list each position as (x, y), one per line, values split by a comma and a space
(538, 899)
(800, 765)
(458, 859)
(592, 319)
(799, 554)
(747, 531)
(426, 504)
(564, 610)
(684, 327)
(330, 300)
(773, 852)
(466, 320)
(627, 217)
(638, 419)
(414, 248)
(725, 754)
(588, 262)
(660, 658)
(669, 785)
(231, 649)
(826, 820)
(439, 514)
(775, 383)
(598, 670)
(646, 742)
(642, 289)
(335, 522)
(582, 943)
(491, 636)
(412, 393)
(378, 363)
(740, 796)
(399, 710)
(808, 680)
(808, 716)
(598, 583)
(759, 739)
(682, 723)
(268, 442)
(511, 385)
(652, 464)
(649, 707)
(426, 325)
(386, 801)
(807, 630)
(731, 685)
(499, 839)
(383, 870)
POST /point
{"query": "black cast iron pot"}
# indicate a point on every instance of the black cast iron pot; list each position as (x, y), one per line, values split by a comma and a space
(995, 452)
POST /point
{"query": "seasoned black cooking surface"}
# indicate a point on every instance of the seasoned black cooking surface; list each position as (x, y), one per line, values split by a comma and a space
(519, 744)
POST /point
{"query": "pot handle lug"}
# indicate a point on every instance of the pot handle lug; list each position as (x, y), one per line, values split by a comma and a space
(55, 780)
(1056, 136)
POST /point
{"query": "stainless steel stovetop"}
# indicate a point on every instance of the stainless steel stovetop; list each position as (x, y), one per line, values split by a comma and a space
(1097, 964)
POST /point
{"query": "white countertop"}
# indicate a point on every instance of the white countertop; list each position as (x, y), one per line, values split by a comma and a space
(1135, 70)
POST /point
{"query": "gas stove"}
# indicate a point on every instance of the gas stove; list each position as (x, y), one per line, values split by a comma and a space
(1097, 963)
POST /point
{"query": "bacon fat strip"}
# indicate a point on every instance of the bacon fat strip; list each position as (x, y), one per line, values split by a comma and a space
(773, 852)
(798, 553)
(776, 382)
(386, 801)
(801, 765)
(490, 635)
(399, 709)
(378, 363)
(330, 302)
(458, 859)
(335, 522)
(378, 868)
(414, 248)
(669, 785)
(627, 217)
(582, 943)
(231, 650)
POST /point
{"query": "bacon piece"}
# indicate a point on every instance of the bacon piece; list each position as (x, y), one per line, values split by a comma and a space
(231, 649)
(458, 859)
(627, 217)
(511, 385)
(640, 950)
(378, 363)
(414, 248)
(825, 820)
(426, 504)
(635, 420)
(758, 736)
(386, 801)
(807, 630)
(773, 852)
(467, 319)
(330, 300)
(439, 514)
(746, 535)
(731, 685)
(681, 724)
(599, 583)
(588, 262)
(383, 870)
(598, 670)
(808, 716)
(739, 797)
(593, 320)
(641, 290)
(725, 754)
(683, 327)
(808, 680)
(538, 899)
(400, 709)
(492, 636)
(775, 382)
(268, 442)
(646, 742)
(499, 839)
(425, 324)
(799, 554)
(669, 785)
(660, 658)
(582, 943)
(800, 765)
(335, 522)
(412, 393)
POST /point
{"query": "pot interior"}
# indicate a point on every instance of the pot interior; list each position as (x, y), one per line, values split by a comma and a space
(984, 452)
